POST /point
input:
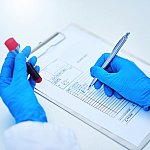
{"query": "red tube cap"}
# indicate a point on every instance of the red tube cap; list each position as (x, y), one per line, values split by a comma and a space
(11, 44)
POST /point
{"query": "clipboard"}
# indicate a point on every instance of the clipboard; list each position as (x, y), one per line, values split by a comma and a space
(47, 46)
(50, 42)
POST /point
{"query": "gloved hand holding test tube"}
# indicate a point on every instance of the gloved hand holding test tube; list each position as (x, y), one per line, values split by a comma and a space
(14, 47)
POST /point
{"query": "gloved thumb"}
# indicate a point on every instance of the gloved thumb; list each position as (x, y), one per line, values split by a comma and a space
(102, 75)
(20, 68)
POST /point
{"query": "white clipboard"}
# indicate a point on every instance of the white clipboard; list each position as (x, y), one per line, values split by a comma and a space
(58, 39)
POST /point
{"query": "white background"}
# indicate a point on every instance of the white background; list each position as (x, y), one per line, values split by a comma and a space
(31, 21)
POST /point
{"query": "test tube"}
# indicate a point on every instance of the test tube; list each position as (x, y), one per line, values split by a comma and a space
(14, 47)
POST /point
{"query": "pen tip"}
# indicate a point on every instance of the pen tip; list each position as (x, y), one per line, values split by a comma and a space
(89, 87)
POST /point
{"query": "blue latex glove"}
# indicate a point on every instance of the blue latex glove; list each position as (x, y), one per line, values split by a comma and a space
(123, 79)
(17, 91)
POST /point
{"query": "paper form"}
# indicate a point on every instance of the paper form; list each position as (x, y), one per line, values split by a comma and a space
(65, 70)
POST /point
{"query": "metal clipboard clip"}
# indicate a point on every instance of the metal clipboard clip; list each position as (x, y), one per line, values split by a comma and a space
(47, 44)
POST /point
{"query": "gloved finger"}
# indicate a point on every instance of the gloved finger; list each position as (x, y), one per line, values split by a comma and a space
(109, 69)
(8, 66)
(117, 95)
(108, 91)
(20, 68)
(92, 72)
(103, 76)
(33, 60)
(32, 82)
(98, 84)
(102, 59)
(114, 65)
(26, 51)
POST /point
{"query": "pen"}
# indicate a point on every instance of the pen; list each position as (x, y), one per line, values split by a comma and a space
(112, 55)
(14, 47)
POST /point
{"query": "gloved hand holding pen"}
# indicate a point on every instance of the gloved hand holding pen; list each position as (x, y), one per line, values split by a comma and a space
(17, 91)
(123, 79)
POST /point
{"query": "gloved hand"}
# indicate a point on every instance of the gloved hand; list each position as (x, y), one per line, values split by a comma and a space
(123, 79)
(17, 91)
